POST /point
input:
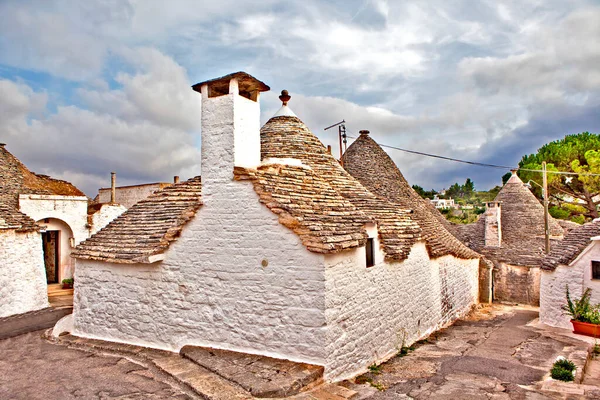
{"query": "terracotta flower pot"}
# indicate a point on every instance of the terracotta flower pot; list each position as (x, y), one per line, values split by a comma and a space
(585, 328)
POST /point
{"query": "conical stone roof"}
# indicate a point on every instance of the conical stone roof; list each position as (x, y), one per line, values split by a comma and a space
(366, 161)
(522, 222)
(288, 137)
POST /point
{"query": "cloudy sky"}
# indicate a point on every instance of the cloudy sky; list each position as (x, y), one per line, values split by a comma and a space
(88, 87)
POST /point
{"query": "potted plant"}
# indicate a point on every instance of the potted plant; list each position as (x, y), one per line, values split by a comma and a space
(68, 283)
(585, 317)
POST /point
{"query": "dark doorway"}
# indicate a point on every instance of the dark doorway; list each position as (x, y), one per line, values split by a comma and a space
(50, 242)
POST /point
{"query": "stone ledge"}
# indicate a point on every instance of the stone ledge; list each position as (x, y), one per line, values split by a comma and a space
(262, 376)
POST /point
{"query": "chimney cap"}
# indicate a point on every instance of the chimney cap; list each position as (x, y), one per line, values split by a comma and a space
(364, 132)
(220, 86)
(2, 144)
(285, 97)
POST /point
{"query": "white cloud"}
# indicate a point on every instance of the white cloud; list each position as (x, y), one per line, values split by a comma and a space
(146, 131)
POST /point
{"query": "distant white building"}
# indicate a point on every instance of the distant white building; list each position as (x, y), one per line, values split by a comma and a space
(443, 204)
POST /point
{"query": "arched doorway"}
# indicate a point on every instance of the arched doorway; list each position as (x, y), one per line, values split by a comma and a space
(57, 238)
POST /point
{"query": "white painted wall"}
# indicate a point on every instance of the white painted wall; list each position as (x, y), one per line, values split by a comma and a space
(107, 213)
(70, 209)
(212, 289)
(578, 276)
(372, 312)
(22, 274)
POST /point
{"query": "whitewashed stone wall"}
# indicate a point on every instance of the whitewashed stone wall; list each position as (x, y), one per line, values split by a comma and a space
(70, 209)
(127, 196)
(107, 213)
(22, 273)
(553, 287)
(212, 289)
(372, 312)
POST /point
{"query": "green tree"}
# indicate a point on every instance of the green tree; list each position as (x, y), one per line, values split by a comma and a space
(419, 190)
(574, 153)
(506, 177)
(468, 188)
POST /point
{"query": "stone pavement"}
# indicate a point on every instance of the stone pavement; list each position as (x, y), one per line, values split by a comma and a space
(32, 368)
(493, 354)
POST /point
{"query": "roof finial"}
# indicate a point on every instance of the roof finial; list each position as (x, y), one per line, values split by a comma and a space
(285, 97)
(364, 132)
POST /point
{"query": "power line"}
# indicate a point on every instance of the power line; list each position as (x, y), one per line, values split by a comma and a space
(420, 153)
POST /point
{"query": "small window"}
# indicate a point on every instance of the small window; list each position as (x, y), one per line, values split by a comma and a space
(370, 249)
(595, 269)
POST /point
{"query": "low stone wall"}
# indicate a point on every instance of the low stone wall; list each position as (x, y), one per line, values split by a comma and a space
(22, 274)
(517, 284)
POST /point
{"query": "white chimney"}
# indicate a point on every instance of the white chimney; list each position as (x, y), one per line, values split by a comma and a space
(493, 224)
(230, 126)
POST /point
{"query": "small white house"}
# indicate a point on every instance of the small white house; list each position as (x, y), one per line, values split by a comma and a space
(443, 204)
(41, 221)
(276, 251)
(575, 261)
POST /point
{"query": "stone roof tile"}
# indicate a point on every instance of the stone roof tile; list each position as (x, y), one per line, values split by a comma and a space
(366, 161)
(288, 137)
(146, 229)
(308, 205)
(565, 252)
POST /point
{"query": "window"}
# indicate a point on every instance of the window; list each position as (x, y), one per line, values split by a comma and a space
(595, 269)
(370, 249)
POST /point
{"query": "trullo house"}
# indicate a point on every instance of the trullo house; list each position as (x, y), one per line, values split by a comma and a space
(276, 251)
(511, 234)
(575, 261)
(41, 220)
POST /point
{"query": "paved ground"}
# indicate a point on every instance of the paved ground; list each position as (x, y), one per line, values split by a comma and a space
(32, 368)
(492, 356)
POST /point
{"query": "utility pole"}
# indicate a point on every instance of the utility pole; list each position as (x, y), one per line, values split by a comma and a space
(341, 135)
(546, 219)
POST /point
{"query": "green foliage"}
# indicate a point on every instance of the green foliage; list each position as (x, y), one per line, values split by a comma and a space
(68, 281)
(561, 374)
(375, 369)
(580, 219)
(506, 177)
(566, 364)
(426, 194)
(574, 153)
(581, 309)
(559, 212)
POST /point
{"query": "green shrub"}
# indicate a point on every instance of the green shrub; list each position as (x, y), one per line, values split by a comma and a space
(562, 370)
(561, 374)
(580, 219)
(566, 364)
(579, 309)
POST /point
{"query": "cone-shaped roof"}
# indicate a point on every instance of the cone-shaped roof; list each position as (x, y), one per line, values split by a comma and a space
(522, 223)
(288, 137)
(366, 161)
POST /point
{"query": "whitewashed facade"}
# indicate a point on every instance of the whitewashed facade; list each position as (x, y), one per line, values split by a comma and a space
(238, 279)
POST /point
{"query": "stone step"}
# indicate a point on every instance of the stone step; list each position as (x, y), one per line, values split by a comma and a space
(57, 290)
(259, 375)
(202, 381)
